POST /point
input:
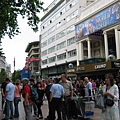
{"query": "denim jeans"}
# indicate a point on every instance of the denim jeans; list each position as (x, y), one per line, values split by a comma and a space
(35, 108)
(16, 102)
(9, 109)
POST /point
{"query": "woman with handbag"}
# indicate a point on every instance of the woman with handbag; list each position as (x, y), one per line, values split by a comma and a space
(111, 94)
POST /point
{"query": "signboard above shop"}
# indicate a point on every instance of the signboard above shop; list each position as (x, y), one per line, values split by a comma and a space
(101, 20)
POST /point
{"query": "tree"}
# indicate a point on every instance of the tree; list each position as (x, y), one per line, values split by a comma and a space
(16, 75)
(9, 11)
(3, 75)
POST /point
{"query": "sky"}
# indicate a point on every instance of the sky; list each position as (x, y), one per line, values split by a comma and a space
(15, 47)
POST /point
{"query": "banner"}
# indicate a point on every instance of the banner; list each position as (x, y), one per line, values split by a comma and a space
(103, 19)
(32, 59)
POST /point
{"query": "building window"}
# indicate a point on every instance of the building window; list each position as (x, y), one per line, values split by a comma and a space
(72, 53)
(52, 49)
(44, 62)
(44, 53)
(44, 44)
(60, 34)
(52, 59)
(74, 2)
(61, 56)
(52, 39)
(61, 45)
(71, 41)
(70, 29)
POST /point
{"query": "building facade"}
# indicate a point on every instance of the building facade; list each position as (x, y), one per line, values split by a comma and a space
(97, 31)
(33, 59)
(58, 42)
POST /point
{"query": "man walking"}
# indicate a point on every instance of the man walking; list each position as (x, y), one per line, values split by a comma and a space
(68, 88)
(9, 97)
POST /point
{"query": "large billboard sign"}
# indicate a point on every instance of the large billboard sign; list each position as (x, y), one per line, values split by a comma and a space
(103, 19)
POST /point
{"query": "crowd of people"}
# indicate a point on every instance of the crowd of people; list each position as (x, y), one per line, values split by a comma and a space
(59, 93)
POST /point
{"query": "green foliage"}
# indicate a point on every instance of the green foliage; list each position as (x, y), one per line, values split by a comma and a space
(16, 75)
(9, 11)
(3, 75)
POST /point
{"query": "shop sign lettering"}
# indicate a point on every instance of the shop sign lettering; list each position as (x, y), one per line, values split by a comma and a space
(117, 64)
(80, 68)
(102, 66)
(71, 70)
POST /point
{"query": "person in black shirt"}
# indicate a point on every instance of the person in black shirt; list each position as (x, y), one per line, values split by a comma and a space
(47, 92)
(3, 87)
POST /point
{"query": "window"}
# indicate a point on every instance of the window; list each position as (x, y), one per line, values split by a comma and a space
(52, 49)
(70, 29)
(61, 45)
(60, 34)
(52, 59)
(51, 29)
(44, 53)
(44, 62)
(52, 39)
(44, 44)
(71, 41)
(72, 53)
(44, 35)
(61, 56)
(74, 2)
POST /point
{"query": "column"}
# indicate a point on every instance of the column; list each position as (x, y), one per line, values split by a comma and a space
(101, 49)
(89, 48)
(117, 43)
(106, 44)
(81, 50)
(77, 50)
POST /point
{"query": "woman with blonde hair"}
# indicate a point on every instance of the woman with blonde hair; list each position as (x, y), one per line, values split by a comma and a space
(17, 97)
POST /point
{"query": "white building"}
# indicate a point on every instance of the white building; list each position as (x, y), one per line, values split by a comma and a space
(58, 42)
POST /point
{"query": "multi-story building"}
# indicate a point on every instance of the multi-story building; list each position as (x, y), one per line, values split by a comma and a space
(32, 60)
(58, 42)
(97, 30)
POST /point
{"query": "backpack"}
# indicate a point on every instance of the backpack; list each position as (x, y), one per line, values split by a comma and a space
(34, 94)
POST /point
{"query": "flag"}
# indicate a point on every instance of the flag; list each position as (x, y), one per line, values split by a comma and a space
(14, 61)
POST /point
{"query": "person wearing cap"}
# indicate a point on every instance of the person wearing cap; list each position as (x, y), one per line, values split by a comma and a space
(27, 103)
(9, 97)
(17, 97)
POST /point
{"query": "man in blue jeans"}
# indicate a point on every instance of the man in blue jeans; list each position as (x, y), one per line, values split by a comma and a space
(9, 97)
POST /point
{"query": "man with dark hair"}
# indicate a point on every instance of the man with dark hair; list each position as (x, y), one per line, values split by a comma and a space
(33, 87)
(47, 92)
(68, 88)
(9, 97)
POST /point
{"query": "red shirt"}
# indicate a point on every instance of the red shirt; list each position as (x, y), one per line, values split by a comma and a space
(25, 91)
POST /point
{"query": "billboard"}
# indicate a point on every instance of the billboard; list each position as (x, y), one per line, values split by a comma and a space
(103, 19)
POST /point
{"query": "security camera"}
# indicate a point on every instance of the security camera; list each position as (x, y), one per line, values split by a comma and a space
(70, 65)
(111, 57)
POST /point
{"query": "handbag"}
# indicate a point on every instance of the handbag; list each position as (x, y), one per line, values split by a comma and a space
(100, 101)
(109, 102)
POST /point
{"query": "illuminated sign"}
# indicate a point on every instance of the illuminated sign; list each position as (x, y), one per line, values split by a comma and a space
(100, 66)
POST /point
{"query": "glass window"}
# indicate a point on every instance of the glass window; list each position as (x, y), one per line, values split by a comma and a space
(44, 53)
(74, 2)
(52, 49)
(70, 29)
(60, 34)
(71, 41)
(44, 44)
(44, 62)
(61, 45)
(52, 39)
(72, 53)
(52, 59)
(61, 56)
